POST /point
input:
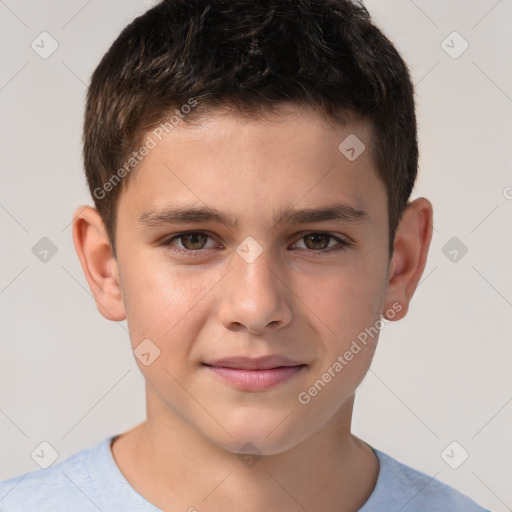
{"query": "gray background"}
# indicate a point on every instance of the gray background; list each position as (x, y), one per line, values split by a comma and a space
(67, 375)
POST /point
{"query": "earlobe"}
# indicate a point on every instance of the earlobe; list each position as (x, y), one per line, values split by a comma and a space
(98, 263)
(412, 241)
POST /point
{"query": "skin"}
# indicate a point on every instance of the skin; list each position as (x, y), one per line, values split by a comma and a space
(292, 300)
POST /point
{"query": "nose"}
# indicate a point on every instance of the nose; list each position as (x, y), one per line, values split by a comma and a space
(255, 295)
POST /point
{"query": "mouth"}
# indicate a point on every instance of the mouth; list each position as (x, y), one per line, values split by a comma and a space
(255, 374)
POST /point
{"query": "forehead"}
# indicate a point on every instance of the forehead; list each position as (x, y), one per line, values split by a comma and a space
(248, 165)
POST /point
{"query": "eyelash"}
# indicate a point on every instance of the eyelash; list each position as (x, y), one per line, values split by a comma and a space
(167, 243)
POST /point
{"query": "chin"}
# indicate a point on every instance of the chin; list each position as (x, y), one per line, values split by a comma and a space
(259, 436)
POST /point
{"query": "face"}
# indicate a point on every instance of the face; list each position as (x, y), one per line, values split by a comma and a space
(255, 306)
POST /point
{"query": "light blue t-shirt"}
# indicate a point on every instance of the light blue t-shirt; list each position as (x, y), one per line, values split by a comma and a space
(91, 481)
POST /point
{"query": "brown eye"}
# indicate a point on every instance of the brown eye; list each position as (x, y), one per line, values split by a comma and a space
(189, 244)
(321, 243)
(317, 241)
(193, 241)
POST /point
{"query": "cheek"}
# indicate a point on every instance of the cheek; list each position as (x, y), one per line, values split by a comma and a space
(164, 306)
(168, 305)
(350, 312)
(347, 302)
(157, 298)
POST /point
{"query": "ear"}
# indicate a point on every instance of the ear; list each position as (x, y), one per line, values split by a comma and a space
(98, 262)
(412, 241)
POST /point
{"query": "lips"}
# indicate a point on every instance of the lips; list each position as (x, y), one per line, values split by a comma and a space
(255, 374)
(254, 363)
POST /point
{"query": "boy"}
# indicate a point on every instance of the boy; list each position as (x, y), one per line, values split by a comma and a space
(281, 135)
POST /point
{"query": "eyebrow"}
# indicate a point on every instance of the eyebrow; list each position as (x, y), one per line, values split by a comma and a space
(196, 215)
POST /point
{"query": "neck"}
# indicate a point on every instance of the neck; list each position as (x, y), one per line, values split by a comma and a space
(176, 468)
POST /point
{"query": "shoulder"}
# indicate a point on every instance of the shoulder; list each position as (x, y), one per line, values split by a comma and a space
(56, 488)
(399, 485)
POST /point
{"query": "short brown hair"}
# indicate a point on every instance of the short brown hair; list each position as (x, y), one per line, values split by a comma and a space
(251, 56)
